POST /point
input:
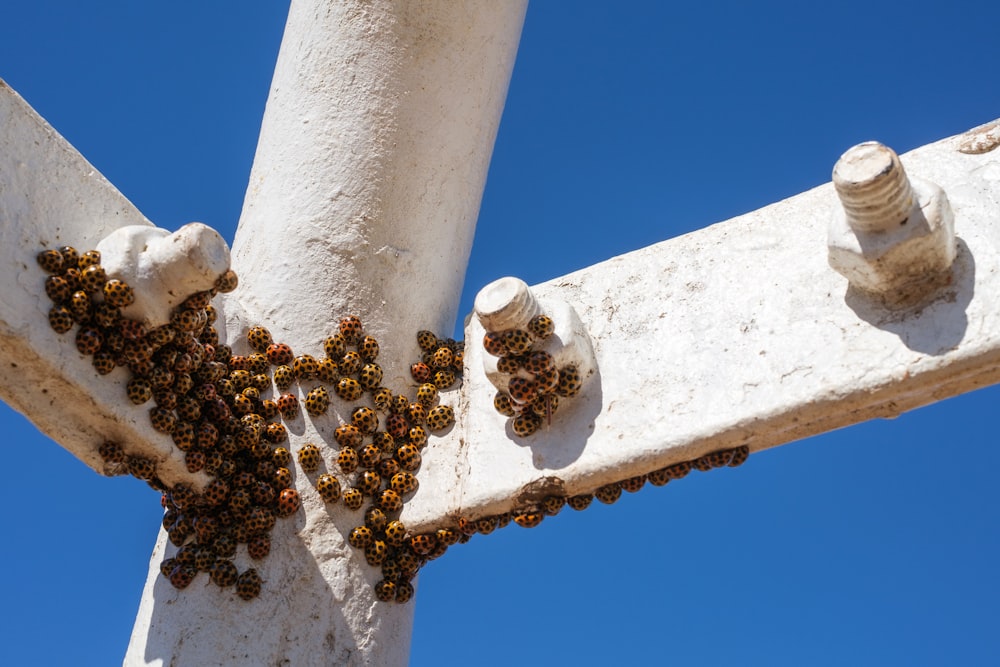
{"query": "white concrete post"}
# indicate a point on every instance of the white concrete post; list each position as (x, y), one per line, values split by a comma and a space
(363, 199)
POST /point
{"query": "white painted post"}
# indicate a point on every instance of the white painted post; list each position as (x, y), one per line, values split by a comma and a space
(363, 199)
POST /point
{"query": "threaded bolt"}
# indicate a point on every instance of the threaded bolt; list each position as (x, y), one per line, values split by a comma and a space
(506, 303)
(873, 188)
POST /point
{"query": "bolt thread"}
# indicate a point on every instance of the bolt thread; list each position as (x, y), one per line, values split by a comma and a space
(506, 303)
(873, 187)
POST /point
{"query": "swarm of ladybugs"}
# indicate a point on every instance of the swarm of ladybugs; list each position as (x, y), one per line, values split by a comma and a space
(534, 385)
(214, 405)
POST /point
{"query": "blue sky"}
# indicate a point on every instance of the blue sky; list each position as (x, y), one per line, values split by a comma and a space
(626, 124)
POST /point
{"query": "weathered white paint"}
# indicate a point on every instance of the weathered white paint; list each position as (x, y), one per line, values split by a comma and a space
(51, 196)
(892, 235)
(363, 198)
(739, 333)
(163, 268)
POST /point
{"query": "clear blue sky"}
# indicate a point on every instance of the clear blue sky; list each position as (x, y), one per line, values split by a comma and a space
(631, 123)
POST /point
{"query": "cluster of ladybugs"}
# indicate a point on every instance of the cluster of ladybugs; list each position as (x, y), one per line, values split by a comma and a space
(532, 515)
(535, 385)
(212, 403)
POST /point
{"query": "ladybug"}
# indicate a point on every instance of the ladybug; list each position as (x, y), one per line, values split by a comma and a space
(517, 341)
(259, 338)
(183, 435)
(547, 381)
(166, 566)
(570, 381)
(248, 584)
(304, 366)
(510, 365)
(259, 520)
(111, 452)
(440, 417)
(551, 505)
(403, 483)
(80, 306)
(351, 329)
(389, 501)
(224, 546)
(416, 413)
(376, 519)
(327, 370)
(385, 590)
(541, 326)
(382, 398)
(503, 404)
(417, 436)
(443, 379)
(609, 493)
(227, 281)
(88, 259)
(259, 365)
(486, 525)
(446, 536)
(347, 460)
(282, 477)
(423, 544)
(493, 343)
(240, 379)
(288, 405)
(443, 357)
(368, 347)
(92, 278)
(400, 404)
(370, 376)
(335, 346)
(368, 482)
(274, 432)
(370, 456)
(283, 377)
(376, 552)
(162, 419)
(198, 300)
(70, 256)
(263, 493)
(117, 293)
(364, 419)
(57, 289)
(360, 537)
(268, 408)
(288, 502)
(187, 320)
(278, 354)
(421, 372)
(258, 546)
(104, 362)
(528, 519)
(525, 424)
(679, 470)
(538, 362)
(633, 484)
(427, 394)
(404, 592)
(105, 315)
(466, 527)
(426, 340)
(353, 499)
(408, 456)
(88, 341)
(395, 533)
(384, 442)
(349, 389)
(182, 576)
(328, 488)
(350, 363)
(317, 401)
(309, 457)
(51, 261)
(348, 435)
(659, 477)
(223, 573)
(522, 390)
(203, 559)
(216, 492)
(740, 455)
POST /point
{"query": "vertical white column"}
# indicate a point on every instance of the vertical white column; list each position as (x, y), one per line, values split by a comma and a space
(363, 198)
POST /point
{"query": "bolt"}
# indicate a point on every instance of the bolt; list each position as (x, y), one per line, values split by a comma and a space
(873, 187)
(893, 236)
(506, 303)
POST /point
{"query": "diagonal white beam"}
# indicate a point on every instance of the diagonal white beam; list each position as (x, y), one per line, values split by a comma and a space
(51, 196)
(739, 333)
